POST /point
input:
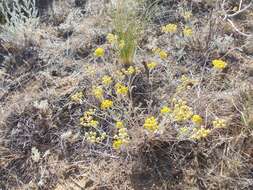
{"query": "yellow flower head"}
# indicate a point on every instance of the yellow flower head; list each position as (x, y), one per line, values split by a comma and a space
(106, 104)
(99, 52)
(117, 144)
(106, 80)
(151, 65)
(165, 110)
(197, 119)
(169, 28)
(119, 124)
(121, 89)
(98, 92)
(219, 64)
(163, 54)
(111, 38)
(219, 123)
(151, 124)
(77, 97)
(93, 123)
(123, 134)
(130, 70)
(91, 136)
(187, 31)
(182, 111)
(201, 133)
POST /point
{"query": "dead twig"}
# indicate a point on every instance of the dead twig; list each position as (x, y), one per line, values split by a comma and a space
(228, 17)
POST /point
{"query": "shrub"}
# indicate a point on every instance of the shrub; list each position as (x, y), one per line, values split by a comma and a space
(21, 21)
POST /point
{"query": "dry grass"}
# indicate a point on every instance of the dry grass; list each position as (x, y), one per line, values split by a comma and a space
(38, 81)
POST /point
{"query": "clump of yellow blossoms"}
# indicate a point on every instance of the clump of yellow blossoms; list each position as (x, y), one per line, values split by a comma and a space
(99, 52)
(182, 111)
(187, 31)
(106, 104)
(165, 110)
(219, 64)
(92, 137)
(129, 71)
(197, 120)
(169, 28)
(151, 124)
(98, 92)
(122, 138)
(163, 54)
(119, 124)
(87, 119)
(111, 38)
(106, 80)
(117, 143)
(200, 133)
(121, 89)
(77, 97)
(151, 65)
(219, 123)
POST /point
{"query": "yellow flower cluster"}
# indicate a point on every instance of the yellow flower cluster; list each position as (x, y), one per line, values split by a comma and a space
(197, 120)
(151, 65)
(129, 71)
(122, 138)
(162, 54)
(99, 52)
(119, 124)
(106, 104)
(169, 28)
(121, 89)
(98, 92)
(87, 120)
(113, 40)
(151, 124)
(187, 31)
(165, 110)
(181, 111)
(92, 137)
(219, 123)
(106, 80)
(219, 64)
(77, 97)
(200, 133)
